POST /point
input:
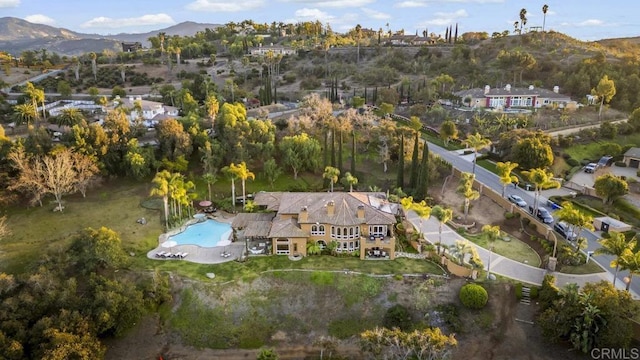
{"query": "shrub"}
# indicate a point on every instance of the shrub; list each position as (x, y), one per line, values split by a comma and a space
(534, 293)
(573, 162)
(518, 291)
(620, 164)
(638, 173)
(474, 296)
(397, 316)
(509, 215)
(526, 221)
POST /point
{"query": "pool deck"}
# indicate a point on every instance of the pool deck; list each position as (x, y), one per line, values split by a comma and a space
(205, 255)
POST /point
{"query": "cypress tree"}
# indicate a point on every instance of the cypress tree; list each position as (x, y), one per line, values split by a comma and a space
(450, 33)
(415, 162)
(325, 160)
(340, 152)
(333, 147)
(421, 192)
(365, 95)
(400, 180)
(446, 35)
(353, 152)
(455, 37)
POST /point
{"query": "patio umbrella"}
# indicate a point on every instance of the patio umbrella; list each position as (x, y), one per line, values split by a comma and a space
(169, 244)
(205, 203)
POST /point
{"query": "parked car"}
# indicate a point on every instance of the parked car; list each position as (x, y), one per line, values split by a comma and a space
(517, 200)
(590, 168)
(565, 230)
(543, 214)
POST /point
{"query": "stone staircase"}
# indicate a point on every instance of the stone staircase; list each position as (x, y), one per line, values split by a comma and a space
(526, 296)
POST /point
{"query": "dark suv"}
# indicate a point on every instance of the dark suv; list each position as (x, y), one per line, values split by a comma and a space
(543, 214)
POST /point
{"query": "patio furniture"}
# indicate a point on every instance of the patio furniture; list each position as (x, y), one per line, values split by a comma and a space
(182, 255)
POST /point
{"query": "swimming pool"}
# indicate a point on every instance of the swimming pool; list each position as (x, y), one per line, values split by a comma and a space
(204, 234)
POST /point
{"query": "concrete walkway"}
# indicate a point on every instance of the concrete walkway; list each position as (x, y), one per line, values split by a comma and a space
(501, 265)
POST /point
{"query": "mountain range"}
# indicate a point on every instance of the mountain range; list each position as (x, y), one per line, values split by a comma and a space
(18, 35)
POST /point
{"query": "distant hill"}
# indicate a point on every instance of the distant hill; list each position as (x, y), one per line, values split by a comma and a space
(18, 35)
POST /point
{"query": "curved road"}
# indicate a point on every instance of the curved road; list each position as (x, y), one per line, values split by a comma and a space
(491, 180)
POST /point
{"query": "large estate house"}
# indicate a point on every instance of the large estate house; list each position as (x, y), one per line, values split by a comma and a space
(152, 112)
(262, 50)
(513, 97)
(360, 223)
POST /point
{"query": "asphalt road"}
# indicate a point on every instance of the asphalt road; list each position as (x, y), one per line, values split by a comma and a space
(465, 163)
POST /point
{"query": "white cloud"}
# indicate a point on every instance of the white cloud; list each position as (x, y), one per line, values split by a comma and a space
(411, 4)
(225, 5)
(306, 14)
(590, 22)
(9, 3)
(443, 18)
(378, 15)
(40, 19)
(333, 3)
(109, 23)
(424, 3)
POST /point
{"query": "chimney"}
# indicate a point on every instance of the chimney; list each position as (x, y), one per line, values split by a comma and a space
(508, 87)
(331, 208)
(530, 87)
(556, 89)
(361, 212)
(486, 89)
(303, 217)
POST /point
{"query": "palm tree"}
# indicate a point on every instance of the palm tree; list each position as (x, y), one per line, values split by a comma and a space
(492, 233)
(25, 113)
(615, 245)
(161, 183)
(421, 209)
(630, 260)
(94, 66)
(443, 215)
(504, 170)
(358, 36)
(332, 174)
(210, 179)
(545, 8)
(37, 97)
(70, 117)
(467, 191)
(523, 18)
(350, 180)
(459, 250)
(244, 174)
(477, 142)
(232, 172)
(542, 179)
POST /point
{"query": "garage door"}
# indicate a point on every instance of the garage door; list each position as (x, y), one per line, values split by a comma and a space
(633, 163)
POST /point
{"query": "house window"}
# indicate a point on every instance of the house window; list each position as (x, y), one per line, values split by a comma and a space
(321, 244)
(497, 101)
(377, 230)
(516, 101)
(317, 229)
(282, 247)
(528, 102)
(343, 233)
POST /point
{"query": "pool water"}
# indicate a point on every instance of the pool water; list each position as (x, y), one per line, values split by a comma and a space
(204, 234)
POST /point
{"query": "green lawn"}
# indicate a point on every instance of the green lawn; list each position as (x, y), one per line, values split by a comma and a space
(591, 268)
(513, 249)
(39, 230)
(591, 151)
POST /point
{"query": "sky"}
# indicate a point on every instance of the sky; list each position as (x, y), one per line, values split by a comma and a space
(582, 19)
